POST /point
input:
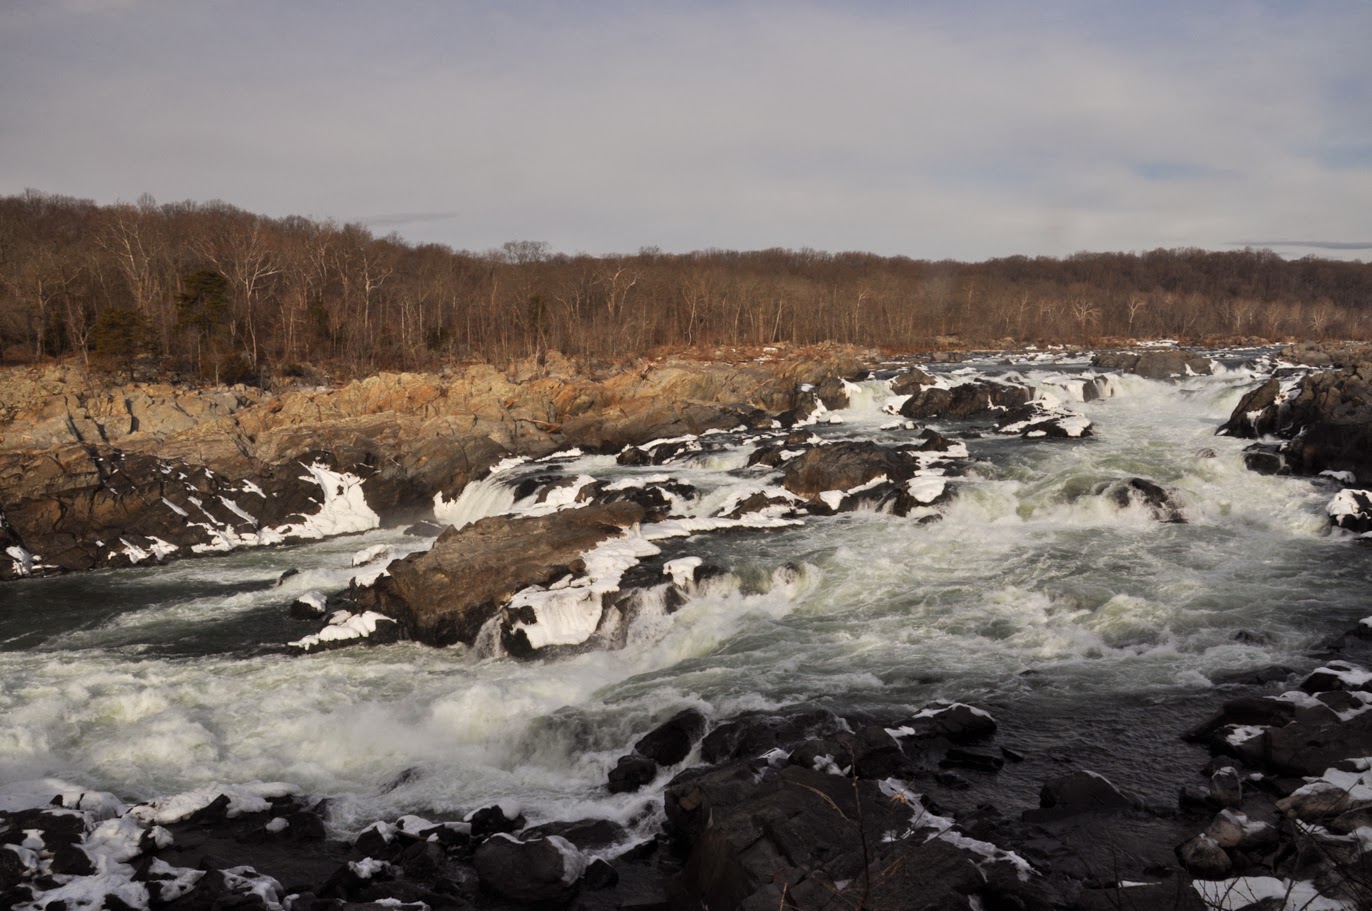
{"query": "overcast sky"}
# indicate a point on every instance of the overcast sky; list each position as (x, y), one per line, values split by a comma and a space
(963, 129)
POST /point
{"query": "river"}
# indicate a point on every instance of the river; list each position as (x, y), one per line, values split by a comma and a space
(1092, 633)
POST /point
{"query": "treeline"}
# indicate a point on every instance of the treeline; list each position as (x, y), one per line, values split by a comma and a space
(207, 287)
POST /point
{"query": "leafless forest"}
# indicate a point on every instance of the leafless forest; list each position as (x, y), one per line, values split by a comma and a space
(212, 289)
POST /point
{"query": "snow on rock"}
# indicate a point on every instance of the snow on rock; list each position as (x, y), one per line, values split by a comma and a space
(1351, 510)
(249, 797)
(925, 490)
(569, 614)
(682, 570)
(345, 510)
(1248, 891)
(24, 562)
(344, 627)
(372, 554)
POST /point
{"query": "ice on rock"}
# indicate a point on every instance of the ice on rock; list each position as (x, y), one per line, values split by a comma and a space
(569, 615)
(249, 797)
(682, 570)
(343, 626)
(371, 554)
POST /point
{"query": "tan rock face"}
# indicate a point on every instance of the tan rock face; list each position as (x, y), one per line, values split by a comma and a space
(409, 436)
(445, 595)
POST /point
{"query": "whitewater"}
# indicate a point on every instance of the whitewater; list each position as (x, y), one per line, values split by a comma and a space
(1087, 629)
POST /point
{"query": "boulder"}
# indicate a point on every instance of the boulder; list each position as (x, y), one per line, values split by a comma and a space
(1204, 859)
(1142, 493)
(1083, 791)
(977, 398)
(1160, 364)
(912, 382)
(670, 742)
(445, 595)
(537, 870)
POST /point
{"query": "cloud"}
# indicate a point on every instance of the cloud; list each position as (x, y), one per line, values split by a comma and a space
(1309, 244)
(933, 130)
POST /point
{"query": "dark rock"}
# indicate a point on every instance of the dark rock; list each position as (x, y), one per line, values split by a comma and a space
(1309, 745)
(843, 466)
(1226, 787)
(425, 530)
(967, 400)
(1264, 459)
(600, 875)
(1177, 895)
(1255, 415)
(287, 574)
(955, 758)
(671, 741)
(492, 820)
(1083, 791)
(631, 773)
(584, 833)
(958, 722)
(752, 735)
(1159, 364)
(1144, 493)
(71, 860)
(832, 393)
(306, 610)
(539, 870)
(1204, 859)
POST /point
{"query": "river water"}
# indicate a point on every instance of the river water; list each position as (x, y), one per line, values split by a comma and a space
(1091, 632)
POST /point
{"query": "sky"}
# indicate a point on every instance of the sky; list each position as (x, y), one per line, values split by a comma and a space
(934, 130)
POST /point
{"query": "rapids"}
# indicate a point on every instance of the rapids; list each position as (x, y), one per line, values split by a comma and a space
(1090, 632)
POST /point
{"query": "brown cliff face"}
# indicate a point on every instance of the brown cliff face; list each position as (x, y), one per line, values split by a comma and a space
(407, 436)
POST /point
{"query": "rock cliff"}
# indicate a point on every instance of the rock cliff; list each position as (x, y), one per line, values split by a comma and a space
(94, 475)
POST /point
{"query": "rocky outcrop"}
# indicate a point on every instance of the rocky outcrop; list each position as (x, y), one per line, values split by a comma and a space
(91, 475)
(447, 594)
(1156, 364)
(841, 476)
(1325, 417)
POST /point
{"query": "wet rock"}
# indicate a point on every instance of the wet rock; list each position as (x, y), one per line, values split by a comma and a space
(1161, 364)
(445, 595)
(1083, 791)
(1143, 493)
(1204, 859)
(957, 722)
(586, 834)
(493, 820)
(844, 466)
(1262, 458)
(1226, 787)
(967, 400)
(753, 734)
(1326, 418)
(538, 870)
(1230, 829)
(833, 393)
(425, 530)
(671, 741)
(631, 773)
(911, 382)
